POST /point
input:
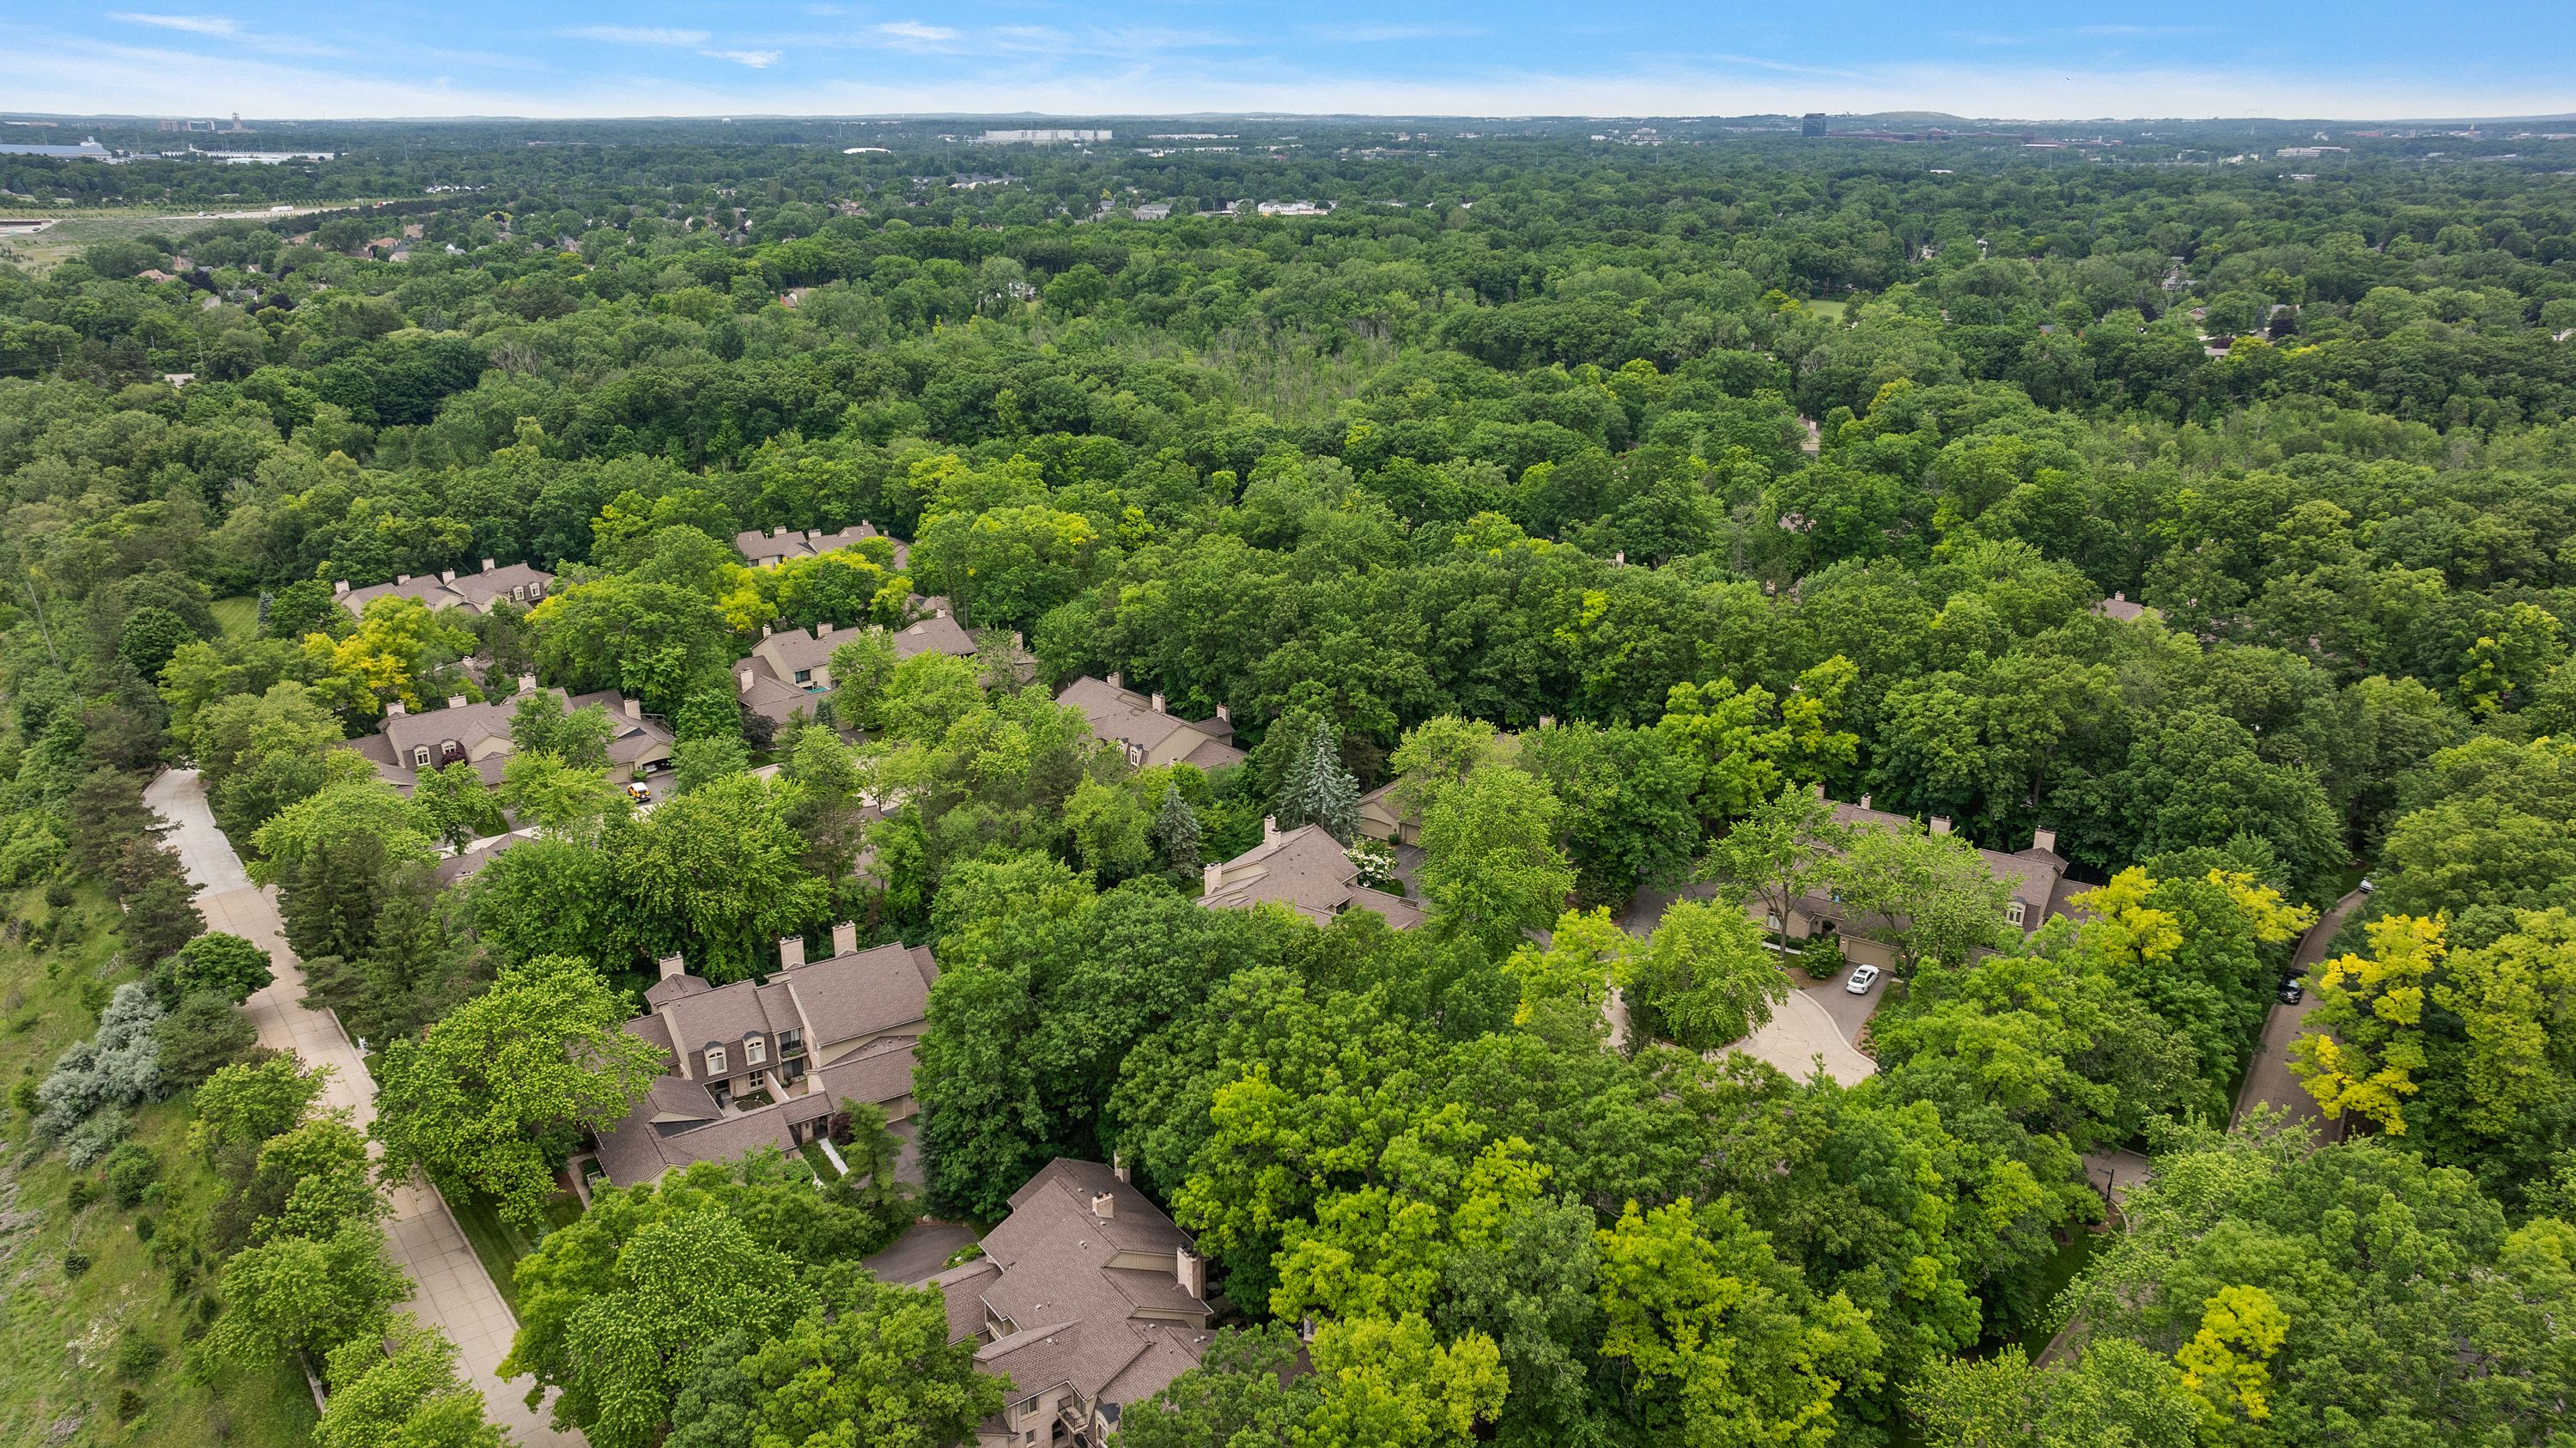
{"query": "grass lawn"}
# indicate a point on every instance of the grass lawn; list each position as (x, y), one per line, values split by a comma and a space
(237, 617)
(499, 1244)
(2070, 1260)
(822, 1164)
(77, 1346)
(78, 228)
(1830, 311)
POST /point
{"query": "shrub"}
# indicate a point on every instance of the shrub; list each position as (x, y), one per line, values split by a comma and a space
(227, 965)
(129, 1405)
(204, 1035)
(83, 1192)
(137, 1355)
(118, 1068)
(75, 1262)
(144, 1227)
(131, 1170)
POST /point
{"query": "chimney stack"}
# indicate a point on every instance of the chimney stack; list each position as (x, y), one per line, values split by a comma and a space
(745, 676)
(1191, 1273)
(393, 708)
(1619, 559)
(672, 966)
(845, 938)
(2119, 596)
(487, 565)
(1269, 828)
(527, 683)
(1864, 801)
(634, 708)
(2044, 840)
(1547, 721)
(447, 575)
(1104, 1206)
(1940, 824)
(823, 630)
(1224, 715)
(1211, 875)
(1117, 680)
(1118, 1165)
(340, 589)
(1158, 703)
(456, 701)
(791, 951)
(764, 630)
(401, 579)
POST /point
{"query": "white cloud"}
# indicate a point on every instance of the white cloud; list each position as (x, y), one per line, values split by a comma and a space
(193, 24)
(912, 33)
(756, 59)
(636, 34)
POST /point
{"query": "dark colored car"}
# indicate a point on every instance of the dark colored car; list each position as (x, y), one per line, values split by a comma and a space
(2293, 991)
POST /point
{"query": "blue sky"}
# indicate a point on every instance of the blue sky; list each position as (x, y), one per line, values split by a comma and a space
(2001, 58)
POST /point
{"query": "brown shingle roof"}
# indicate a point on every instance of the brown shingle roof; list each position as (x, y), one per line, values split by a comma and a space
(1124, 716)
(1308, 871)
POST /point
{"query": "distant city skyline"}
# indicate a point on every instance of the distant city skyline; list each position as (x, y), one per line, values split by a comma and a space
(2015, 59)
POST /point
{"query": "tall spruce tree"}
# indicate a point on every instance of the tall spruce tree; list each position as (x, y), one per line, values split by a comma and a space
(1176, 829)
(1317, 790)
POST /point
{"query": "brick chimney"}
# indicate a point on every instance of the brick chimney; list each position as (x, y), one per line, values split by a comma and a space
(340, 589)
(1118, 1165)
(1940, 824)
(1191, 1273)
(745, 676)
(456, 701)
(1224, 715)
(447, 575)
(1211, 875)
(823, 630)
(1104, 1205)
(1864, 801)
(401, 578)
(634, 708)
(845, 938)
(487, 565)
(791, 951)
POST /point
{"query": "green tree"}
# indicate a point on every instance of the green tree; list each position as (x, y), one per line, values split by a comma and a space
(401, 1392)
(1244, 1393)
(1781, 850)
(225, 965)
(496, 1095)
(871, 1363)
(1924, 896)
(1491, 870)
(459, 806)
(1316, 790)
(718, 874)
(306, 1295)
(1705, 977)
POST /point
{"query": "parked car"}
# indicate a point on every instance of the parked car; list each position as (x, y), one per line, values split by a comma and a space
(640, 792)
(1862, 979)
(2366, 886)
(2293, 991)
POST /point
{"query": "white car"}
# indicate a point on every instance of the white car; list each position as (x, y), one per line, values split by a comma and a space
(1862, 978)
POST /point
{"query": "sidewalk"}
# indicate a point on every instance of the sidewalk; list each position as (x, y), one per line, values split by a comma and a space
(454, 1294)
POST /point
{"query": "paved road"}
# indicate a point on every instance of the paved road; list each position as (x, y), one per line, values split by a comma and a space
(2268, 1080)
(454, 1293)
(922, 1250)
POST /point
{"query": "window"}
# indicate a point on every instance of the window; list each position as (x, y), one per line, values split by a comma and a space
(715, 1060)
(519, 594)
(754, 1051)
(1136, 755)
(804, 675)
(2015, 912)
(420, 757)
(791, 1043)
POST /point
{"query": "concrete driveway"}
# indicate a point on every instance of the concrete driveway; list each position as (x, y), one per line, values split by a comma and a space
(922, 1250)
(2268, 1081)
(1798, 1036)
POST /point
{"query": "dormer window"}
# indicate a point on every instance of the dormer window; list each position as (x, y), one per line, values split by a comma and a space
(715, 1060)
(420, 757)
(519, 594)
(754, 1051)
(2015, 912)
(1136, 755)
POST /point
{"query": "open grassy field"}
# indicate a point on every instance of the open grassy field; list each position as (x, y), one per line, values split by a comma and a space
(1830, 311)
(76, 229)
(107, 1356)
(237, 616)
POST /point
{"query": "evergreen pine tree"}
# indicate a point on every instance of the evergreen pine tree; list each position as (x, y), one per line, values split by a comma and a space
(1317, 790)
(1176, 829)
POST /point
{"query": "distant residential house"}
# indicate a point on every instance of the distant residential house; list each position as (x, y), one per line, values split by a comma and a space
(1146, 732)
(768, 1063)
(467, 863)
(1151, 211)
(1089, 1298)
(2118, 606)
(1382, 818)
(406, 744)
(520, 583)
(1306, 870)
(2036, 877)
(768, 550)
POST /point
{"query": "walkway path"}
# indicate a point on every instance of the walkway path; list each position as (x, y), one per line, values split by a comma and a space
(2268, 1080)
(454, 1294)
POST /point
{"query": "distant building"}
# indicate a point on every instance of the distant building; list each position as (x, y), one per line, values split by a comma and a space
(1042, 138)
(2118, 607)
(1148, 734)
(405, 744)
(768, 550)
(1306, 870)
(1151, 211)
(520, 583)
(2036, 878)
(1812, 124)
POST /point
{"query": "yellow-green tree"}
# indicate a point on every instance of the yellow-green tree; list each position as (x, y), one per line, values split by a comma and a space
(2367, 1040)
(2228, 1363)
